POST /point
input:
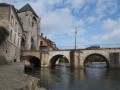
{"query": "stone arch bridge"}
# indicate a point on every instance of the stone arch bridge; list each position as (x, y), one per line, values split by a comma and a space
(77, 57)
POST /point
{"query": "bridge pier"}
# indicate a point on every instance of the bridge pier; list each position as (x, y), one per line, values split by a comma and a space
(45, 59)
(76, 60)
(114, 60)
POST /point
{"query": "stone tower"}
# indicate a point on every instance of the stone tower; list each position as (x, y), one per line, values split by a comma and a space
(31, 25)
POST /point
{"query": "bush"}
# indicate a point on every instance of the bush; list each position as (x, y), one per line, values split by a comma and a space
(3, 34)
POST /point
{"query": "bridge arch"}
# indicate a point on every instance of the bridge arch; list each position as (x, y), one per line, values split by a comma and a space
(31, 61)
(56, 58)
(96, 57)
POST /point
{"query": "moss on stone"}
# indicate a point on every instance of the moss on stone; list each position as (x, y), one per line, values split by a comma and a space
(3, 34)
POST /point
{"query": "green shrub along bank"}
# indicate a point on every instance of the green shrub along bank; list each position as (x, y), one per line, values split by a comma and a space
(3, 34)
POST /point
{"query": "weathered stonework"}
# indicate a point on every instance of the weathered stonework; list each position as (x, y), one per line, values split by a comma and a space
(77, 58)
(11, 48)
(31, 25)
(24, 28)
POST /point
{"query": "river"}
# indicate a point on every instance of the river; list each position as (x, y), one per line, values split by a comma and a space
(95, 77)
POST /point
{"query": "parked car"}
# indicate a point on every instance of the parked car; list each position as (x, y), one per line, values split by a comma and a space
(93, 47)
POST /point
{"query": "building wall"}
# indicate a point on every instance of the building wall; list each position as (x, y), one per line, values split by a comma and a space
(11, 47)
(31, 25)
(4, 16)
(43, 42)
(46, 44)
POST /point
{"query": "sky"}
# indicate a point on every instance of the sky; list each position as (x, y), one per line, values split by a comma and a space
(97, 21)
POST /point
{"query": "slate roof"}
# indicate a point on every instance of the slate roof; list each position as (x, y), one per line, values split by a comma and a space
(27, 7)
(5, 4)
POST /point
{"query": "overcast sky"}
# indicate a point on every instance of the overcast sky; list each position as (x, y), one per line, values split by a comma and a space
(97, 21)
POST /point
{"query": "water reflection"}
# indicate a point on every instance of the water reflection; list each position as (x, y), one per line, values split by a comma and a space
(64, 78)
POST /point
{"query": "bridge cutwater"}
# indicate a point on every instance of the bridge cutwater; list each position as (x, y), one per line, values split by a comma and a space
(76, 58)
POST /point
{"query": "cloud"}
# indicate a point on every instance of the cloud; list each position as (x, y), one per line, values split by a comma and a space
(112, 35)
(109, 36)
(91, 19)
(110, 24)
(104, 7)
(77, 3)
(61, 21)
(61, 17)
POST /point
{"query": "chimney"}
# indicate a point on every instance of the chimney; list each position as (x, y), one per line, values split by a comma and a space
(41, 34)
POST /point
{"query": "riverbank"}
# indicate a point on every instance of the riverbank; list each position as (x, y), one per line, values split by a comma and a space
(12, 77)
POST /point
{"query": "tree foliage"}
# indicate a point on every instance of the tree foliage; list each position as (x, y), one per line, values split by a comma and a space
(3, 34)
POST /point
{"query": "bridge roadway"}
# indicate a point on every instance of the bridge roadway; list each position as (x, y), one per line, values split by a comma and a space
(76, 58)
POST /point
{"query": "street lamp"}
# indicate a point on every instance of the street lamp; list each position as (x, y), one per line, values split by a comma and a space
(75, 37)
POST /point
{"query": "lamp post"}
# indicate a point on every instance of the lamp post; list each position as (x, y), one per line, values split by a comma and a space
(75, 37)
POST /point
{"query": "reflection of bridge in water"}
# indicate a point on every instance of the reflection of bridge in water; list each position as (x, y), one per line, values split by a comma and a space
(77, 58)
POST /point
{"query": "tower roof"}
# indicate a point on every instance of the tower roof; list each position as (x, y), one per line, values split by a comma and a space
(27, 7)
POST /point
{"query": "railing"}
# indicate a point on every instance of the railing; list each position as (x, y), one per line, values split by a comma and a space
(90, 46)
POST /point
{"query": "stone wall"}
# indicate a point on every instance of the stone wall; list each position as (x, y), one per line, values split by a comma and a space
(11, 47)
(31, 25)
(4, 16)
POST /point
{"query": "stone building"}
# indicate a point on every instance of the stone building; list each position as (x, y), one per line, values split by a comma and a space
(47, 44)
(31, 24)
(9, 19)
(24, 28)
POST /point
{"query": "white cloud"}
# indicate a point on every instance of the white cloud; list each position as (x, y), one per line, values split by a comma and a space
(61, 21)
(110, 24)
(4, 1)
(113, 35)
(104, 7)
(110, 29)
(91, 19)
(75, 4)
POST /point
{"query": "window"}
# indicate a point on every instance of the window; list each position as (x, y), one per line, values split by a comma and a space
(32, 24)
(11, 34)
(16, 26)
(12, 21)
(14, 38)
(19, 18)
(18, 42)
(27, 14)
(33, 21)
(19, 32)
(6, 48)
(41, 43)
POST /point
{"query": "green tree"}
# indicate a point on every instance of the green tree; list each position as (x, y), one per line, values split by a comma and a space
(3, 34)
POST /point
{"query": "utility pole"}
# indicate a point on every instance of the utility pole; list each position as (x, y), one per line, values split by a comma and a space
(75, 37)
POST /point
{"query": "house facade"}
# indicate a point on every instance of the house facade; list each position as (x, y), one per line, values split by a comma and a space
(9, 19)
(46, 44)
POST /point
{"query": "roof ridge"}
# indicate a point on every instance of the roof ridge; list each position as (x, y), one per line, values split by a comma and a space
(27, 7)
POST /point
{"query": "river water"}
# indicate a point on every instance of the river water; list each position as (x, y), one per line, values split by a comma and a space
(95, 77)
